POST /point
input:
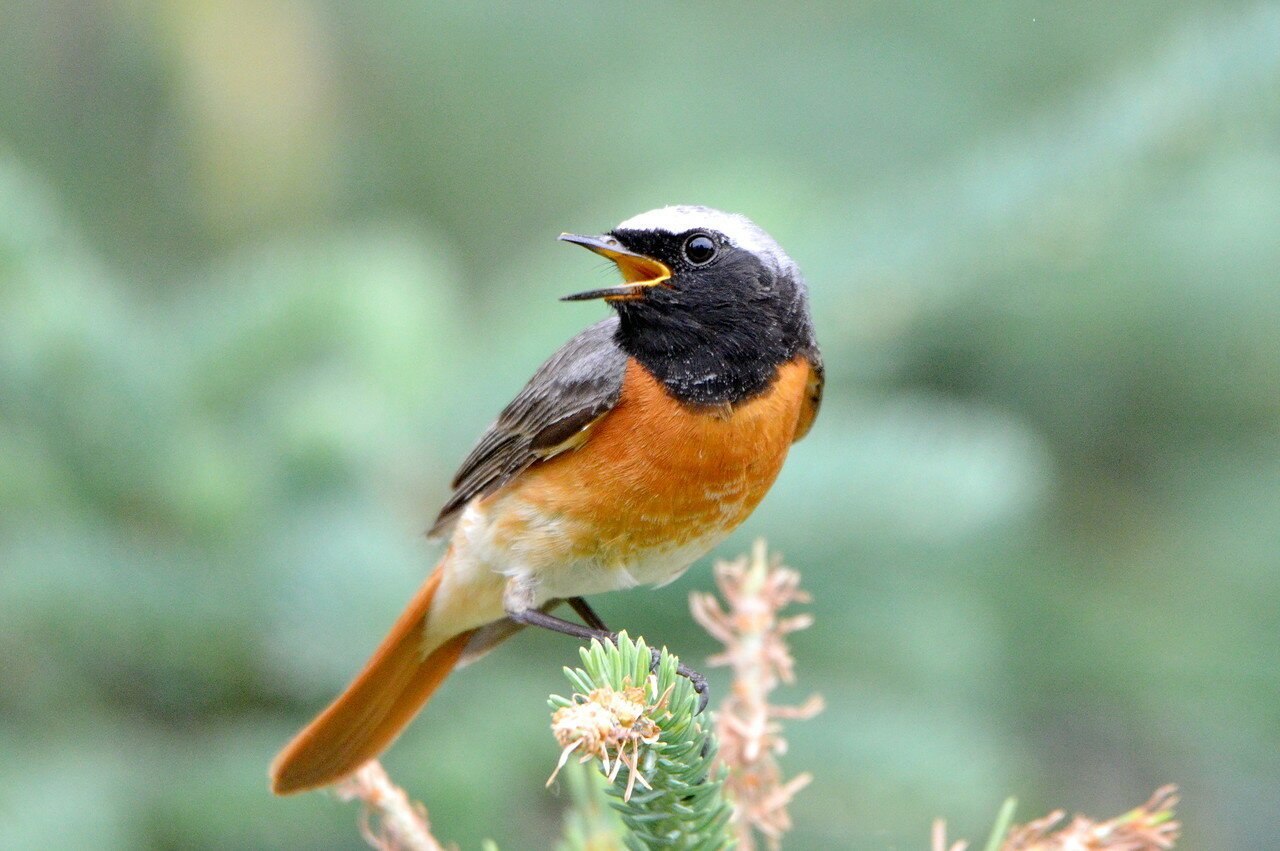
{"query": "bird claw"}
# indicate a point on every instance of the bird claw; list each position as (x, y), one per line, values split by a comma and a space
(697, 680)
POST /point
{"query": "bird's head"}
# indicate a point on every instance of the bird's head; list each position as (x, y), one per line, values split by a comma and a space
(703, 291)
(689, 258)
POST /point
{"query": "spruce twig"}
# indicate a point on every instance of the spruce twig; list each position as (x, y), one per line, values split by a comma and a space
(656, 751)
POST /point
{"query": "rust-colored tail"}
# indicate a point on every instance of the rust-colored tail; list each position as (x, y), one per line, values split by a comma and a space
(365, 718)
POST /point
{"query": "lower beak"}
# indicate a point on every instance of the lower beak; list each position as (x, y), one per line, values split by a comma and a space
(639, 272)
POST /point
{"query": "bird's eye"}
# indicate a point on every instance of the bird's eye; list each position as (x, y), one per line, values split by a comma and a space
(699, 249)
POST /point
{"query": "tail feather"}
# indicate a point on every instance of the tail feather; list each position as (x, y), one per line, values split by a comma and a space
(382, 699)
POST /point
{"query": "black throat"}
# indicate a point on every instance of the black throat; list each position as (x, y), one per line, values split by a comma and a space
(720, 343)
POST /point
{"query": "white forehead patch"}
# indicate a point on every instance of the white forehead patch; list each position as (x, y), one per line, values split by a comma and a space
(739, 230)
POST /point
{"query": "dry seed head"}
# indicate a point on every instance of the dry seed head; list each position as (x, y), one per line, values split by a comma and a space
(610, 725)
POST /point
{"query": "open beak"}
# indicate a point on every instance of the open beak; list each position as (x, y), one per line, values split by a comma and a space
(638, 271)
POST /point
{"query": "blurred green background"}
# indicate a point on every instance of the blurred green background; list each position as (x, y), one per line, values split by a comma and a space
(267, 268)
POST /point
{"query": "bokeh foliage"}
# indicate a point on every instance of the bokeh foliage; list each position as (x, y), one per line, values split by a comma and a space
(267, 268)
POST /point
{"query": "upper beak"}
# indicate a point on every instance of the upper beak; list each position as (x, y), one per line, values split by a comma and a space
(638, 271)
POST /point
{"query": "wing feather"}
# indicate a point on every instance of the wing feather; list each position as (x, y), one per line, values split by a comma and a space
(574, 388)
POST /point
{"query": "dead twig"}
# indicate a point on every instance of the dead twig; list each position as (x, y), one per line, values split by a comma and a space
(389, 821)
(755, 591)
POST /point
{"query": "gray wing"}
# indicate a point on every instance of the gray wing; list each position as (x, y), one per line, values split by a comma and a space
(574, 388)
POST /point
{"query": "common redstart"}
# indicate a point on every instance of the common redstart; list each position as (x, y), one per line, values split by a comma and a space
(632, 451)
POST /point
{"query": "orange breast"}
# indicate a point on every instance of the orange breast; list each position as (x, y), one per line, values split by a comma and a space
(656, 473)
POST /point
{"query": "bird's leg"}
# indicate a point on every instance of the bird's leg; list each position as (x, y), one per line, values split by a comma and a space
(596, 629)
(587, 613)
(539, 618)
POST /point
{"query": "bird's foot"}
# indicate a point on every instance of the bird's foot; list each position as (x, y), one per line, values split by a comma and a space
(595, 629)
(697, 680)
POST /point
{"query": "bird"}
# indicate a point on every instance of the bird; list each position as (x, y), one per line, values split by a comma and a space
(631, 452)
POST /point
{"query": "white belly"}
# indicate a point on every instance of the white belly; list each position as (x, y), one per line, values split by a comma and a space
(543, 563)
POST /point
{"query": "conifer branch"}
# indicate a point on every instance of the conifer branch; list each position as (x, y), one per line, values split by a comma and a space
(644, 731)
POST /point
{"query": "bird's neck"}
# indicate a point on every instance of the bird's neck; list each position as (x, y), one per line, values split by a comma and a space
(708, 365)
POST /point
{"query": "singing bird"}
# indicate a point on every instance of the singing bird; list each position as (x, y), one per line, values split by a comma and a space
(632, 451)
